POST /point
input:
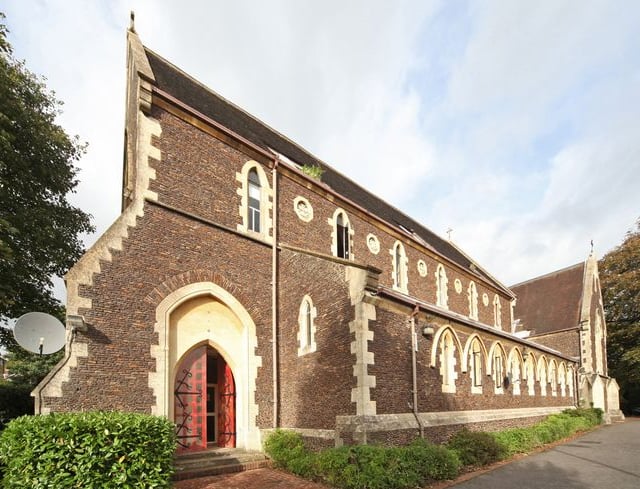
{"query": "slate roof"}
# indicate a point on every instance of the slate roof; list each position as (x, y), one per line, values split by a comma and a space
(551, 302)
(174, 81)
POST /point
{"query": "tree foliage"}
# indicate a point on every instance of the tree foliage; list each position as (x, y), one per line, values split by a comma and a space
(40, 231)
(620, 279)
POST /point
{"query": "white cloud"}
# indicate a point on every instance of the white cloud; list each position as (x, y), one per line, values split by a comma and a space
(543, 101)
(524, 143)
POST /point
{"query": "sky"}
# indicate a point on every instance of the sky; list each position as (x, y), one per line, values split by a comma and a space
(513, 124)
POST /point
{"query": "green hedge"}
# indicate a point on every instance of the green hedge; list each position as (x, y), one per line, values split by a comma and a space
(378, 467)
(363, 466)
(553, 428)
(89, 450)
(476, 447)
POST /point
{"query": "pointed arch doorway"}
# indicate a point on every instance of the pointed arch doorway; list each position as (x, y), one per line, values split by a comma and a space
(204, 313)
(204, 401)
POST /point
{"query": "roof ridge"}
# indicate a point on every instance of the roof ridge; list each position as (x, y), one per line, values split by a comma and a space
(484, 270)
(547, 275)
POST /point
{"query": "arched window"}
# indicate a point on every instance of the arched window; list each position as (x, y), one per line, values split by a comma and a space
(562, 379)
(447, 359)
(442, 297)
(570, 380)
(473, 300)
(307, 327)
(342, 236)
(514, 371)
(530, 373)
(553, 379)
(497, 312)
(476, 359)
(399, 267)
(498, 369)
(542, 376)
(254, 202)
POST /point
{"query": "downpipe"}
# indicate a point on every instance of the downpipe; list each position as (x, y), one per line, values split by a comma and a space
(414, 347)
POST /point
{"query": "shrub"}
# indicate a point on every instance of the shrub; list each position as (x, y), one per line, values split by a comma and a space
(553, 428)
(15, 400)
(89, 450)
(476, 447)
(363, 466)
(434, 461)
(517, 440)
(314, 171)
(378, 467)
(592, 415)
(287, 451)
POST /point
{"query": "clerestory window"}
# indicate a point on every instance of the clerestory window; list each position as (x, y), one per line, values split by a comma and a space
(342, 236)
(253, 208)
(442, 297)
(399, 268)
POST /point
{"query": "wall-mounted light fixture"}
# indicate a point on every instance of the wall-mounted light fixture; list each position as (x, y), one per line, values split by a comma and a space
(77, 323)
(428, 330)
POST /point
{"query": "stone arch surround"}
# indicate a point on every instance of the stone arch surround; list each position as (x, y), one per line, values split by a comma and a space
(235, 339)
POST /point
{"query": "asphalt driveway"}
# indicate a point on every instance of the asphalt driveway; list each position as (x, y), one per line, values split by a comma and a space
(606, 458)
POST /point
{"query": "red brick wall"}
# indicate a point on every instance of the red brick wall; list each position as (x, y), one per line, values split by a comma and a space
(197, 172)
(392, 355)
(315, 387)
(165, 244)
(161, 246)
(316, 236)
(567, 342)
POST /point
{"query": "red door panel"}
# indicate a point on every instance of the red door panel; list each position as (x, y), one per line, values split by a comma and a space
(190, 401)
(227, 413)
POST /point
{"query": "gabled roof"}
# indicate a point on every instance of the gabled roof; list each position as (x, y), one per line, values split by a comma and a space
(551, 302)
(174, 81)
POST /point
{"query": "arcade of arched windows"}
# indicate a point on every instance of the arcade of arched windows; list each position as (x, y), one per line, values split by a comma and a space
(499, 369)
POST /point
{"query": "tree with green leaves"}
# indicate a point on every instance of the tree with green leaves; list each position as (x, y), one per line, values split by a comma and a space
(620, 280)
(40, 231)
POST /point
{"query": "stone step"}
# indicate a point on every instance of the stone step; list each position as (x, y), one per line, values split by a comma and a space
(217, 462)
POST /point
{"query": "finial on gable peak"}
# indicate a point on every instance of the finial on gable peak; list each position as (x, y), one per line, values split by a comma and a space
(591, 253)
(132, 22)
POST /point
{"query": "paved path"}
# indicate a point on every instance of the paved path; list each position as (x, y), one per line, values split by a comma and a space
(252, 479)
(606, 458)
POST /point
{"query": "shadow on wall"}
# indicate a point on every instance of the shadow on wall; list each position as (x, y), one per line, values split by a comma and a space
(98, 336)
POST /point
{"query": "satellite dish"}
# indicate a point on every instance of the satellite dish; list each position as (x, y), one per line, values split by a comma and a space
(38, 332)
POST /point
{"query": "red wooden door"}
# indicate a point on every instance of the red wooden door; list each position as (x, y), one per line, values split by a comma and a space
(190, 401)
(227, 412)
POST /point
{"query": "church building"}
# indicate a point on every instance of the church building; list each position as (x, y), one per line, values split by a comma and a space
(563, 310)
(248, 285)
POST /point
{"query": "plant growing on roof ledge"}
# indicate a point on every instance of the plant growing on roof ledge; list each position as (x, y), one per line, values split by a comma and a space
(314, 171)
